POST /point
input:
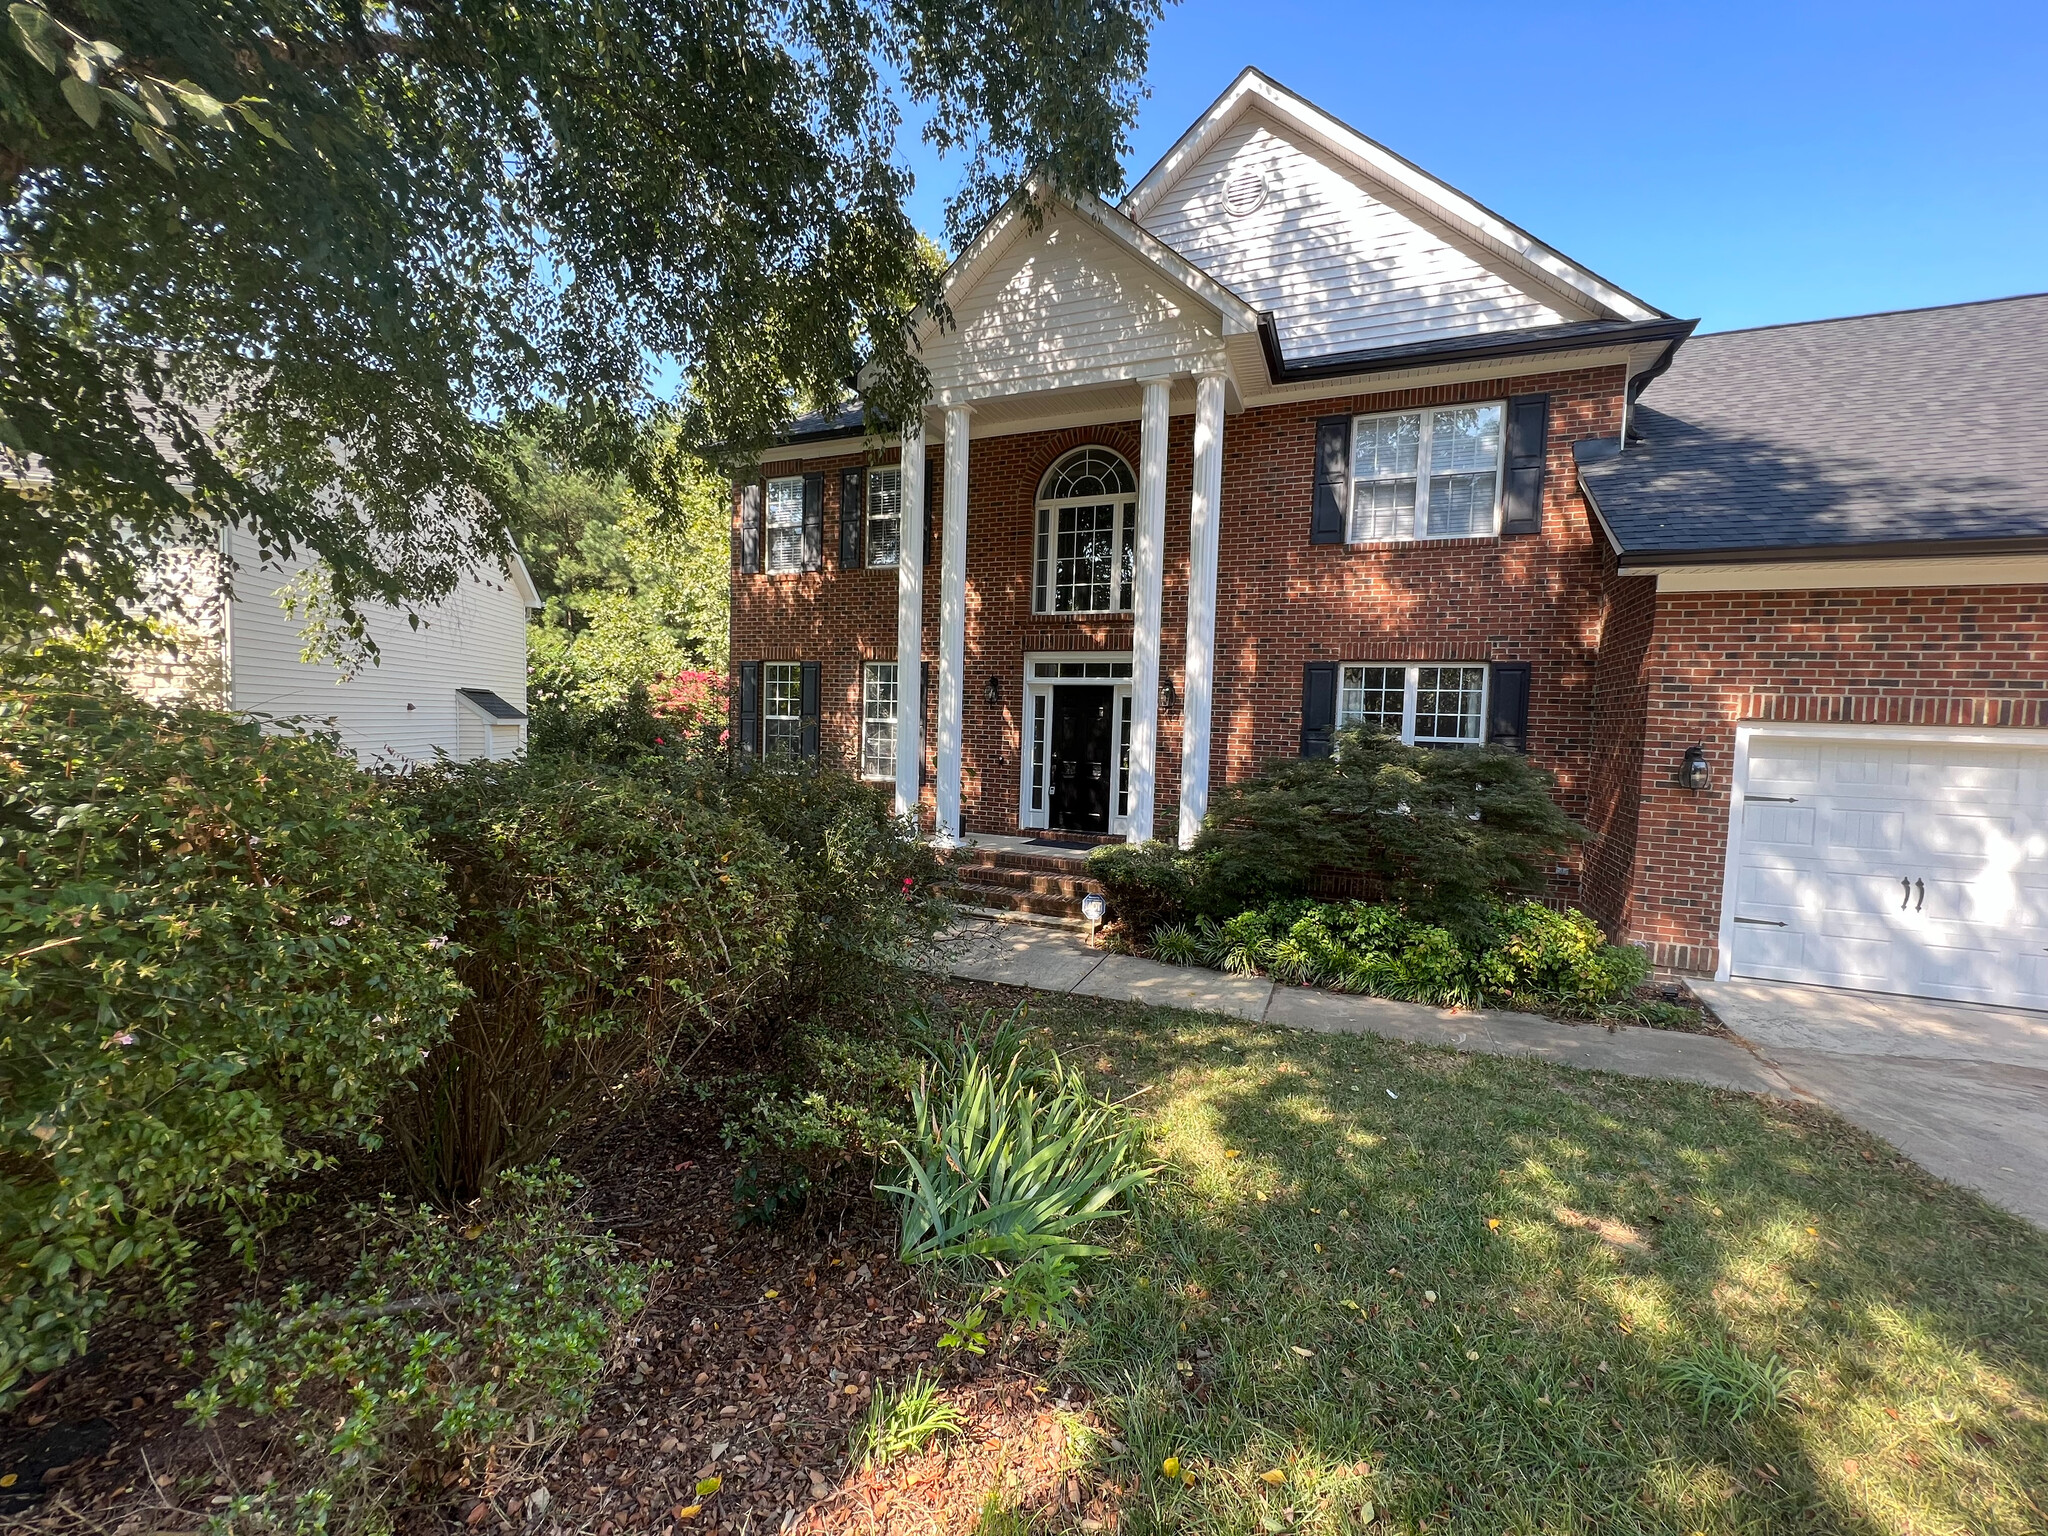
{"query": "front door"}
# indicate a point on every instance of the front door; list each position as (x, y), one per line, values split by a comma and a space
(1081, 760)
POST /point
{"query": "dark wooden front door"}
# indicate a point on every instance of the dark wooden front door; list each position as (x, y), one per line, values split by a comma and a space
(1083, 766)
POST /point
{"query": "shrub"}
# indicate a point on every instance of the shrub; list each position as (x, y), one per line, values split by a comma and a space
(1520, 951)
(452, 1330)
(1147, 885)
(1440, 830)
(1010, 1158)
(606, 917)
(223, 948)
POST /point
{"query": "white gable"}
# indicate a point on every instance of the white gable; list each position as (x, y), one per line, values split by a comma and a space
(1064, 305)
(1340, 269)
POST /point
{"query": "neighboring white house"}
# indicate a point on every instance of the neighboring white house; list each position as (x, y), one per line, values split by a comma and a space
(456, 684)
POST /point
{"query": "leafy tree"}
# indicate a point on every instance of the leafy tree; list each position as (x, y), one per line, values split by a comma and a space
(239, 232)
(1440, 830)
(635, 584)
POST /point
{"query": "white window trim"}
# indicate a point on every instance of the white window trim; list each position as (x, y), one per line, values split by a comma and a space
(888, 769)
(867, 531)
(768, 527)
(1031, 747)
(1411, 687)
(1428, 413)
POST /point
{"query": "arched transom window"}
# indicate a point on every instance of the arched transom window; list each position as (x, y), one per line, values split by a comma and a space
(1086, 548)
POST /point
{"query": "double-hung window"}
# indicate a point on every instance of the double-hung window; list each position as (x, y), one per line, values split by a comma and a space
(782, 695)
(1418, 702)
(1085, 550)
(1430, 474)
(885, 518)
(786, 524)
(878, 720)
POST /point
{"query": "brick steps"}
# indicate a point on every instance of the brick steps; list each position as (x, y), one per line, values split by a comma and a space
(1041, 886)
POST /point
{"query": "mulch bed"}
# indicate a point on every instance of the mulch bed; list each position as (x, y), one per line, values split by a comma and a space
(756, 1356)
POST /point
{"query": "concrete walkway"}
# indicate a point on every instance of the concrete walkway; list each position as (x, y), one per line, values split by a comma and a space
(1049, 961)
(1960, 1089)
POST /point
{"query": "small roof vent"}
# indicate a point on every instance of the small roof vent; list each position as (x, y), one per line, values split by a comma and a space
(1244, 193)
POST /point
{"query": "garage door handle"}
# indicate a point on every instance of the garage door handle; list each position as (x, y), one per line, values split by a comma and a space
(1774, 799)
(1759, 922)
(1906, 888)
(1920, 891)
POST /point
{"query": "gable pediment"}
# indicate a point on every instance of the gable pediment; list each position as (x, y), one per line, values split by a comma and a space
(1069, 303)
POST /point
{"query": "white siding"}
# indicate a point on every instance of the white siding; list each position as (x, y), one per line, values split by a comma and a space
(475, 639)
(1065, 302)
(1340, 269)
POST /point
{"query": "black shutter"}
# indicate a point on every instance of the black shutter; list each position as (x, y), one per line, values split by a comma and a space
(1333, 479)
(1528, 437)
(1318, 708)
(814, 522)
(747, 536)
(852, 504)
(1507, 711)
(807, 710)
(747, 735)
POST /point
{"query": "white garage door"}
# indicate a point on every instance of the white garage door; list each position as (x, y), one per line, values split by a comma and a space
(1895, 866)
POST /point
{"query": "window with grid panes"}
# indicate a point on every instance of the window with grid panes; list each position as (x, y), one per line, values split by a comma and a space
(782, 692)
(878, 720)
(1431, 704)
(1429, 474)
(885, 515)
(786, 524)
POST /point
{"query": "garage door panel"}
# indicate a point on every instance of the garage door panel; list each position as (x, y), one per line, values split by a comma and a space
(1781, 826)
(1918, 867)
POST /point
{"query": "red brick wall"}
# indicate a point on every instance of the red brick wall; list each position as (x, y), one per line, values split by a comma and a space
(1962, 657)
(1281, 601)
(1620, 691)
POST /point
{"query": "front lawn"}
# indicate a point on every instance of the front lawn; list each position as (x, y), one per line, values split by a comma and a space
(1438, 1292)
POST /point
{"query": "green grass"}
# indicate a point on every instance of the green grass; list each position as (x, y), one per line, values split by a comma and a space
(1482, 1295)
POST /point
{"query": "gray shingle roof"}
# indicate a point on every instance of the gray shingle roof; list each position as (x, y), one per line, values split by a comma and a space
(1927, 425)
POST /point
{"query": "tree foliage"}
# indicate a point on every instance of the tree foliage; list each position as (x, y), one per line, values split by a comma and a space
(217, 948)
(239, 233)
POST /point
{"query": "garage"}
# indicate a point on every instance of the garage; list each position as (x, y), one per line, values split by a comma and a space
(1896, 862)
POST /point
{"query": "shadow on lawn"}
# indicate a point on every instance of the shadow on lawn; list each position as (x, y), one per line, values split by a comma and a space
(1470, 1275)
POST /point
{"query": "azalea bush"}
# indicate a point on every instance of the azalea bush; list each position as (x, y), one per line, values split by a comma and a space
(1517, 953)
(458, 1342)
(608, 922)
(222, 949)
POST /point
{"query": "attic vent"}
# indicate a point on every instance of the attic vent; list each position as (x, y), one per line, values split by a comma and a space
(1244, 193)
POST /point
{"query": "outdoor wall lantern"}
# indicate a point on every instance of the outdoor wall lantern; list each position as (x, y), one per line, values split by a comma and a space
(1693, 772)
(1168, 699)
(993, 693)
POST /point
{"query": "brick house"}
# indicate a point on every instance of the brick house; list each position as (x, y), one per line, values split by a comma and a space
(1297, 436)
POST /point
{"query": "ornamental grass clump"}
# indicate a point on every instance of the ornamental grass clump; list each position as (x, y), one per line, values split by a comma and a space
(1012, 1157)
(220, 949)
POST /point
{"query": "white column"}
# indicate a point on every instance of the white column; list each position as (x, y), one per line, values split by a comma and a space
(1198, 682)
(910, 624)
(952, 622)
(1145, 602)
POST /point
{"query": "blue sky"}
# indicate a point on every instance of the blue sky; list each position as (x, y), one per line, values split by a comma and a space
(1743, 164)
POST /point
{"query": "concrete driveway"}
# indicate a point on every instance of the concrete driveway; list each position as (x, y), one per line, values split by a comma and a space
(1960, 1089)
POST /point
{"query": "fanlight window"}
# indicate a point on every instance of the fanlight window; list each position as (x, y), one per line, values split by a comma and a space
(1085, 553)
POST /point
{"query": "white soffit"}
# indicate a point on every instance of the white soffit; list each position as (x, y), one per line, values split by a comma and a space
(1401, 178)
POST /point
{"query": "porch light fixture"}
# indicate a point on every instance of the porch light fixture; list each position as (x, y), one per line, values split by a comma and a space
(1169, 701)
(993, 693)
(1693, 771)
